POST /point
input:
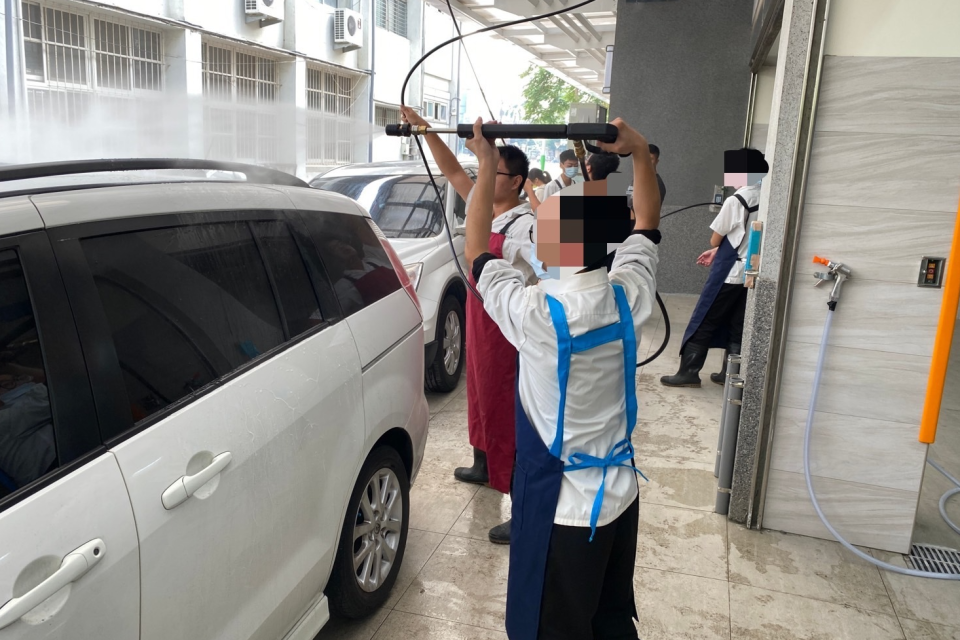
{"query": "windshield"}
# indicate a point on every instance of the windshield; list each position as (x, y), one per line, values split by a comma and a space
(402, 206)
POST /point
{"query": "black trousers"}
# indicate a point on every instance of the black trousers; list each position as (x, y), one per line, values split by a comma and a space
(588, 588)
(726, 312)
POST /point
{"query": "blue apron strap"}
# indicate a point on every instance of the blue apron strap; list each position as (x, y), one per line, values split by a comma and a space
(564, 348)
(629, 357)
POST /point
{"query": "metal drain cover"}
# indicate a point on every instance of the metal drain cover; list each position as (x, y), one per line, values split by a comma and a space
(926, 557)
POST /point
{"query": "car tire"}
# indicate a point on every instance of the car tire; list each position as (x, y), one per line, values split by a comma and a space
(371, 527)
(444, 372)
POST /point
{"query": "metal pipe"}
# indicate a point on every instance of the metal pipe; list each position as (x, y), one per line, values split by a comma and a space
(8, 30)
(728, 451)
(733, 369)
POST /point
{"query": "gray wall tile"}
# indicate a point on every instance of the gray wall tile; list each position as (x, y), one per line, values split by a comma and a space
(890, 95)
(874, 517)
(917, 173)
(851, 449)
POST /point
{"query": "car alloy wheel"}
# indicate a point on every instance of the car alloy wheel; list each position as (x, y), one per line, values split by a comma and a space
(451, 342)
(376, 535)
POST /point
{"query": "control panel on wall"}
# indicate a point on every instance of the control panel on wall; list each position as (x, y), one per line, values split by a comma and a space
(931, 272)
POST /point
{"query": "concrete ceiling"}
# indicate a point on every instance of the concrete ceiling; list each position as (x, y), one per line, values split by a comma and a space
(571, 45)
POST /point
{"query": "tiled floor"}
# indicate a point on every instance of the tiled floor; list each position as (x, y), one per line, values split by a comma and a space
(697, 576)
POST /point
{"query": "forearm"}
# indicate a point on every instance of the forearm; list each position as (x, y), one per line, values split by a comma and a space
(480, 214)
(646, 193)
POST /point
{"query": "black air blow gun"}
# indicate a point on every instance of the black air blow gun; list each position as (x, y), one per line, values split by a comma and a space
(575, 131)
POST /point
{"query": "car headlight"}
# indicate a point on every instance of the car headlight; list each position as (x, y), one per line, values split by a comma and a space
(413, 273)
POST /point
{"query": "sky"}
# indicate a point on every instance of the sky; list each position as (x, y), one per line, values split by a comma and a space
(498, 64)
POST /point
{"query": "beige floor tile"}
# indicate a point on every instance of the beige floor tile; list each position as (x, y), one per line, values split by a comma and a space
(340, 629)
(487, 509)
(447, 448)
(677, 439)
(923, 599)
(420, 546)
(450, 421)
(437, 501)
(698, 408)
(673, 606)
(802, 566)
(459, 402)
(677, 483)
(916, 630)
(683, 541)
(758, 614)
(406, 626)
(465, 581)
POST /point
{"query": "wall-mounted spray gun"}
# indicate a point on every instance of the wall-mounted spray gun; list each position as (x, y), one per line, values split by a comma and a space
(838, 273)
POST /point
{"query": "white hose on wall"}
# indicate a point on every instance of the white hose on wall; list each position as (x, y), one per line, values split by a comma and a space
(813, 496)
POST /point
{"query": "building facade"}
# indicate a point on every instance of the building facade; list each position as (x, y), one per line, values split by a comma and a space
(274, 82)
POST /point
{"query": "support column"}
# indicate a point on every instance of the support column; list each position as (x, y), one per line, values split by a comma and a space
(184, 82)
(293, 116)
(681, 76)
(762, 331)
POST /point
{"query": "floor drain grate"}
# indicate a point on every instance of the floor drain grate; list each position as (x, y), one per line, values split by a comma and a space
(925, 557)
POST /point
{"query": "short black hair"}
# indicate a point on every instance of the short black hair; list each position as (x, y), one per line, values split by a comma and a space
(537, 175)
(602, 164)
(517, 163)
(567, 155)
(655, 150)
(744, 160)
(547, 177)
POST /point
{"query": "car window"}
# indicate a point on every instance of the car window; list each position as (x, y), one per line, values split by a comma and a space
(185, 306)
(402, 206)
(355, 261)
(298, 298)
(27, 442)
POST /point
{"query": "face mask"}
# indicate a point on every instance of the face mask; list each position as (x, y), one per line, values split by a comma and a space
(570, 172)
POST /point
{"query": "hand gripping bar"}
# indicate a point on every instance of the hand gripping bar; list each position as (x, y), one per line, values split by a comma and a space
(574, 131)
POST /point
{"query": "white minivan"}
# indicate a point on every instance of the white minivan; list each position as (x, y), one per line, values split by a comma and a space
(211, 405)
(403, 202)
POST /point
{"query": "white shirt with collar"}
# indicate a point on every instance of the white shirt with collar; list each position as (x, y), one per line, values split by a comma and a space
(553, 187)
(518, 243)
(731, 222)
(595, 418)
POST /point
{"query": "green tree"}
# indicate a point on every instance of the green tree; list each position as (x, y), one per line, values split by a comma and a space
(547, 98)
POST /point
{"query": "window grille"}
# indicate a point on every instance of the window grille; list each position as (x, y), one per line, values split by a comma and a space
(387, 115)
(330, 128)
(73, 61)
(246, 131)
(392, 16)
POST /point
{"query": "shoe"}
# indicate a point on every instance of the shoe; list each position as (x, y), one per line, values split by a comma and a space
(500, 534)
(691, 361)
(477, 474)
(721, 378)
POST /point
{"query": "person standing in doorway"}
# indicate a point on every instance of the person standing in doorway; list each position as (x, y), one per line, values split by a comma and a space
(569, 166)
(491, 359)
(717, 320)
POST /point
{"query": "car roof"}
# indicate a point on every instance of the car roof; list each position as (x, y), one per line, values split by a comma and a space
(32, 212)
(58, 194)
(396, 168)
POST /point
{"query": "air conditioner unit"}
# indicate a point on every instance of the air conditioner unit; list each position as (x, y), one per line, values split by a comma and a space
(405, 147)
(347, 30)
(266, 11)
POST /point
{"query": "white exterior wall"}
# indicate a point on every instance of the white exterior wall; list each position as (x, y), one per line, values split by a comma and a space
(177, 122)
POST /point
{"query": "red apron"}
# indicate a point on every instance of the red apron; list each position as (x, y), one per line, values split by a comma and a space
(491, 376)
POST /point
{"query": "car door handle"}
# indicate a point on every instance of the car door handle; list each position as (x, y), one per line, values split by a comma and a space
(75, 564)
(186, 486)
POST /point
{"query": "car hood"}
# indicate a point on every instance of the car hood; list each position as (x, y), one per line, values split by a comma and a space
(411, 250)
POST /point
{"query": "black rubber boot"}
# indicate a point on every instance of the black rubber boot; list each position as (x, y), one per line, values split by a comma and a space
(477, 474)
(500, 534)
(721, 378)
(691, 361)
